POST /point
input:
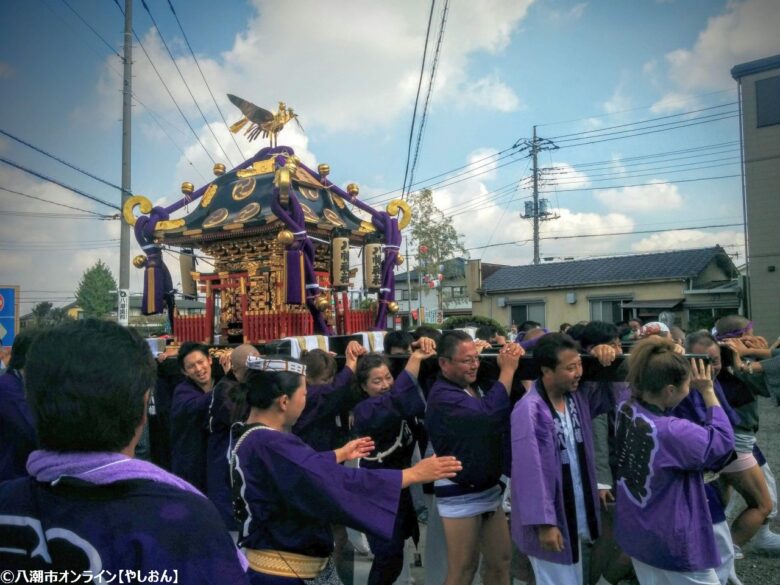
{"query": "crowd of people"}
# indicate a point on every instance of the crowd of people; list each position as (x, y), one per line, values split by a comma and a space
(251, 468)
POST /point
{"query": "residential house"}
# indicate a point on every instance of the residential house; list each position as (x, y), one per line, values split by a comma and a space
(693, 286)
(453, 293)
(759, 98)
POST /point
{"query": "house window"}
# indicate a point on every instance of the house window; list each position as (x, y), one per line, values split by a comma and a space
(609, 310)
(404, 295)
(528, 312)
(415, 294)
(768, 101)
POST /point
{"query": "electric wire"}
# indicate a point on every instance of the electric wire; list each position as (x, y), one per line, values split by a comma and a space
(89, 26)
(203, 76)
(63, 185)
(184, 81)
(28, 196)
(417, 99)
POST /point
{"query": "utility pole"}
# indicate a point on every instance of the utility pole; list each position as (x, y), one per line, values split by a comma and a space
(124, 237)
(538, 209)
(535, 153)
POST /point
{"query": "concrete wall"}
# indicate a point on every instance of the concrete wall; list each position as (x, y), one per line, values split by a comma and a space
(762, 191)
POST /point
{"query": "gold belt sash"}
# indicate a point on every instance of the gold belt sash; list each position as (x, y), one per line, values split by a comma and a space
(285, 564)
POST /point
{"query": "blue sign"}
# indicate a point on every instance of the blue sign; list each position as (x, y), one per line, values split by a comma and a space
(9, 314)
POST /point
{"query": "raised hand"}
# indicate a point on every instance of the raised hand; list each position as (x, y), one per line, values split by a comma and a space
(430, 469)
(606, 354)
(355, 449)
(701, 376)
(426, 345)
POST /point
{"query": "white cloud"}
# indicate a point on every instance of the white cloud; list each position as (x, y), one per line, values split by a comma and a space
(617, 102)
(651, 197)
(564, 176)
(747, 30)
(340, 74)
(573, 13)
(490, 92)
(680, 240)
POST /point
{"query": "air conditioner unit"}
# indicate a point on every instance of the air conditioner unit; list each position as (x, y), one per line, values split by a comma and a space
(501, 301)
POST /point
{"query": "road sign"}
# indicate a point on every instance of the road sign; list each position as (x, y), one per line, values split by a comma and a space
(123, 312)
(9, 314)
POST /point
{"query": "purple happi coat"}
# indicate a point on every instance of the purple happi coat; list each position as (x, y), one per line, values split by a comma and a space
(18, 437)
(470, 429)
(537, 470)
(189, 433)
(662, 516)
(317, 424)
(291, 494)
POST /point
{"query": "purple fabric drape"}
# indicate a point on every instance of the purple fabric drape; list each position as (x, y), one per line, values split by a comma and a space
(302, 247)
(388, 226)
(158, 285)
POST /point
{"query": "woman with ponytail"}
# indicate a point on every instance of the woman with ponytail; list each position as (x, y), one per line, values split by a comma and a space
(286, 495)
(663, 520)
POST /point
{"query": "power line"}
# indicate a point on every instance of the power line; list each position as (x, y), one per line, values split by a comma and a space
(645, 121)
(681, 229)
(100, 215)
(175, 103)
(43, 215)
(184, 81)
(58, 159)
(203, 76)
(417, 99)
(63, 185)
(431, 81)
(644, 184)
(89, 26)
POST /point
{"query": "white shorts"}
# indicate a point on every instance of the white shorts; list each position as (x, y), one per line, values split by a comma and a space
(648, 575)
(469, 505)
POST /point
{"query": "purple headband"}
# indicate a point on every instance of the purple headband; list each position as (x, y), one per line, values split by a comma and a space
(732, 334)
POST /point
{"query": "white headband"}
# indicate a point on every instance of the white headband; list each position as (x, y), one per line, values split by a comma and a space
(264, 364)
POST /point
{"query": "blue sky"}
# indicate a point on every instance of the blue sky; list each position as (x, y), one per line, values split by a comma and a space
(350, 70)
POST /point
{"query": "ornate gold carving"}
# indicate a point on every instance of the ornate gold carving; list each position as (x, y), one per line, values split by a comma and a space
(208, 195)
(303, 176)
(338, 201)
(243, 189)
(399, 205)
(310, 194)
(282, 180)
(215, 218)
(248, 212)
(366, 227)
(195, 232)
(333, 218)
(130, 204)
(233, 226)
(170, 224)
(308, 214)
(262, 167)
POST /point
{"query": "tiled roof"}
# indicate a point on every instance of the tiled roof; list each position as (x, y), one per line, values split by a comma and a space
(675, 265)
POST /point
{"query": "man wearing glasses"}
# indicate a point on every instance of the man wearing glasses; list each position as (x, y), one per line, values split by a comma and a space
(472, 425)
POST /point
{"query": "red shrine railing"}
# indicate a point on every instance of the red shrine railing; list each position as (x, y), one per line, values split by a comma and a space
(263, 327)
(192, 328)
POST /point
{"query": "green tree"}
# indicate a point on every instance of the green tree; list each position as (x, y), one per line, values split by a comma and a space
(434, 236)
(94, 294)
(44, 315)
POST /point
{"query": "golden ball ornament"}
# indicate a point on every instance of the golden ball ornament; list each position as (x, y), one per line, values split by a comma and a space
(139, 261)
(187, 188)
(399, 260)
(321, 303)
(323, 170)
(392, 307)
(353, 189)
(285, 237)
(219, 169)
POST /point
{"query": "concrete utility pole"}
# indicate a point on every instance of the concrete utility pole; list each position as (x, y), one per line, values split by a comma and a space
(534, 153)
(538, 210)
(124, 237)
